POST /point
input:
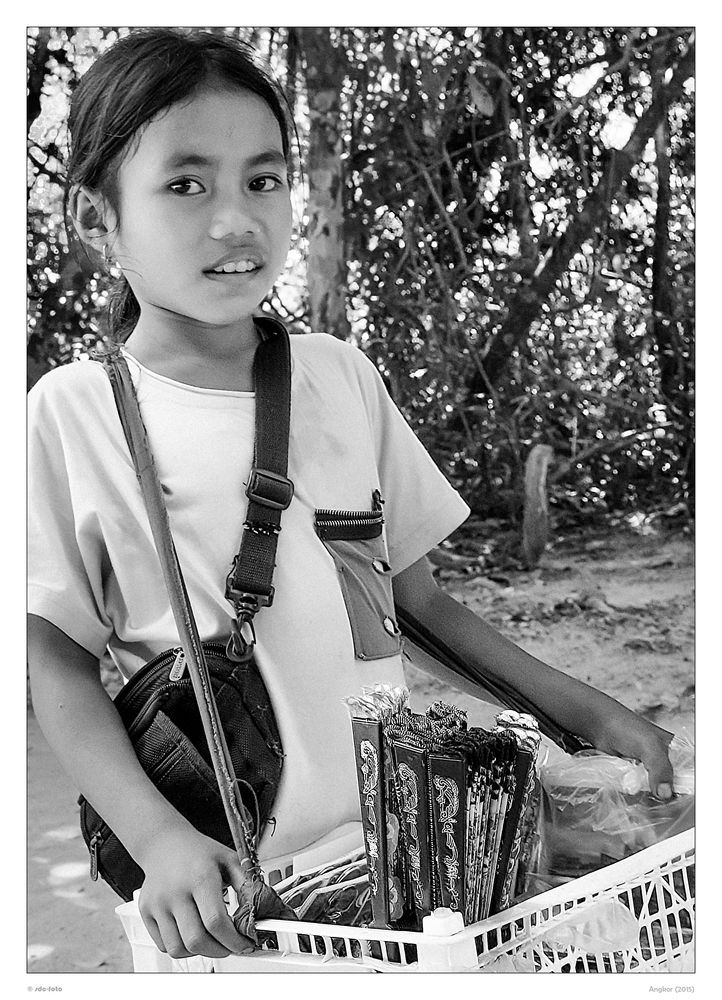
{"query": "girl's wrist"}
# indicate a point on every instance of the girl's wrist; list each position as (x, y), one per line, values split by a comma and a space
(161, 822)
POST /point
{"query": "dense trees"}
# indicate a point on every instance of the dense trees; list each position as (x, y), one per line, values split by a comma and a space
(502, 218)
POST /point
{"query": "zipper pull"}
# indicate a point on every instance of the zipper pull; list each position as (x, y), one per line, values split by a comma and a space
(378, 500)
(95, 841)
(179, 666)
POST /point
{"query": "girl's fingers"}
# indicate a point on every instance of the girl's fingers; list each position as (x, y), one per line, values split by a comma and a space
(216, 919)
(171, 940)
(152, 927)
(661, 778)
(659, 767)
(198, 931)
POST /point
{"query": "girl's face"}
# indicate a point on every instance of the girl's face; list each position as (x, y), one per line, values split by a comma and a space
(203, 193)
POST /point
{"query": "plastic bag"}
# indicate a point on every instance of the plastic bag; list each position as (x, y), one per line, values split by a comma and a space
(597, 809)
(520, 962)
(603, 925)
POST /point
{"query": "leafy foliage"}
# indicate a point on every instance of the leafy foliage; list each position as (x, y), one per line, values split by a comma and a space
(469, 153)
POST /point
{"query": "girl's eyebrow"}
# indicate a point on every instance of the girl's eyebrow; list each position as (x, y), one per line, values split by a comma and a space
(270, 157)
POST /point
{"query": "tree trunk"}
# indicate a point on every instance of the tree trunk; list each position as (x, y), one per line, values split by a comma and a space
(36, 73)
(662, 324)
(526, 303)
(325, 72)
(535, 529)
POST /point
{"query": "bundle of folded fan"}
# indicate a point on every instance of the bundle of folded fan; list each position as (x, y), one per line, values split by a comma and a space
(446, 809)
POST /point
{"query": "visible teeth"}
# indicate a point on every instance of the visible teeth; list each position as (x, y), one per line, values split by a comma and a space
(235, 267)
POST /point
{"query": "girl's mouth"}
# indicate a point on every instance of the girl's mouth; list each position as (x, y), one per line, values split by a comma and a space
(234, 268)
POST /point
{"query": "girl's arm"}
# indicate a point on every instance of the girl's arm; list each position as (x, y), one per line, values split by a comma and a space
(181, 900)
(576, 706)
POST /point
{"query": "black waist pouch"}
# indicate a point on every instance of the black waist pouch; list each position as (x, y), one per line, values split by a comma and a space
(160, 712)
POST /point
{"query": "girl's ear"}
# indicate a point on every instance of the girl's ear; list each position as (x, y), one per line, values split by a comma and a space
(92, 217)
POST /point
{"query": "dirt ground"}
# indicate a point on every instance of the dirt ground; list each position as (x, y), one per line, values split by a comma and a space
(616, 611)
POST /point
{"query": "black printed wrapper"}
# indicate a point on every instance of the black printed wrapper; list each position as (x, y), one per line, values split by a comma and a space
(398, 889)
(368, 749)
(528, 860)
(447, 783)
(511, 836)
(413, 794)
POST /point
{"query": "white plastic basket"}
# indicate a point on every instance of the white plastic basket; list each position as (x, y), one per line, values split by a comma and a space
(655, 887)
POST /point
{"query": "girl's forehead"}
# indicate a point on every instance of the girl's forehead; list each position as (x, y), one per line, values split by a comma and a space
(212, 119)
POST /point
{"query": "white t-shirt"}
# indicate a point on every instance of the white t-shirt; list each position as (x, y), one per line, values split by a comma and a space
(94, 572)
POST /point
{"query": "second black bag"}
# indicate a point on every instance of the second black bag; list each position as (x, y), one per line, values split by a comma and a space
(161, 715)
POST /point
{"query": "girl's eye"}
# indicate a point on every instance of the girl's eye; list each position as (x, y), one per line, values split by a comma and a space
(268, 182)
(186, 185)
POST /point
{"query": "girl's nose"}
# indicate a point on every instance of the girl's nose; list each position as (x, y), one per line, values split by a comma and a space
(232, 220)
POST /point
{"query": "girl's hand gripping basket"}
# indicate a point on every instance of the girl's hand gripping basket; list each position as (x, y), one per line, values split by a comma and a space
(633, 916)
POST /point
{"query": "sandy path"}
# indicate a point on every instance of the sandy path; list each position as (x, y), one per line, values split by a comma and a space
(72, 926)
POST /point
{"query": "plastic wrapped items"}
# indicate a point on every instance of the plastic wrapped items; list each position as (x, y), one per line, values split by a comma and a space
(297, 896)
(337, 893)
(347, 903)
(597, 809)
(605, 925)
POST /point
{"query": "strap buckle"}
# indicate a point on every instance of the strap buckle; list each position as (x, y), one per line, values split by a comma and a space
(239, 648)
(246, 604)
(270, 489)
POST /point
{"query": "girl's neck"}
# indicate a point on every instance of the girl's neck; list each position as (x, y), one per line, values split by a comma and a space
(207, 357)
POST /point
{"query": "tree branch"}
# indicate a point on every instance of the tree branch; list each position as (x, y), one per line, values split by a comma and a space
(41, 167)
(438, 200)
(603, 446)
(527, 300)
(622, 63)
(36, 73)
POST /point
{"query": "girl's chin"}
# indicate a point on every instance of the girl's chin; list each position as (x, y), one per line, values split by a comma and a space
(209, 310)
(207, 319)
(228, 318)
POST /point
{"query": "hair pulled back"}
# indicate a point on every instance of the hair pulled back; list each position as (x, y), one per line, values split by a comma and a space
(131, 83)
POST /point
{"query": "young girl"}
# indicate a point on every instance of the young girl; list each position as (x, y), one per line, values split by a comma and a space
(179, 175)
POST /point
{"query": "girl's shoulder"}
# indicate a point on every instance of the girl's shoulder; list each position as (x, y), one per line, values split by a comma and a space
(74, 385)
(322, 353)
(320, 344)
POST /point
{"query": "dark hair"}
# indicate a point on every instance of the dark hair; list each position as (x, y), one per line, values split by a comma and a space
(127, 86)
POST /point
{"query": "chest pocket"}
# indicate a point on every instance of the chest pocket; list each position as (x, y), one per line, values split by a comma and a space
(355, 541)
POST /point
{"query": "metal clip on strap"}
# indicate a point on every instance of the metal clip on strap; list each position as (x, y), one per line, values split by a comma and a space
(238, 648)
(245, 605)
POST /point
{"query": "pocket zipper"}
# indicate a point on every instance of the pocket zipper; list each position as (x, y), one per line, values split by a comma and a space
(95, 841)
(329, 522)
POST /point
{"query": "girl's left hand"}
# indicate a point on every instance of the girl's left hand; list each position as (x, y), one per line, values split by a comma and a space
(626, 734)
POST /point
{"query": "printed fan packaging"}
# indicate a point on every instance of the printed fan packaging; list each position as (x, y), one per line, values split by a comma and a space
(445, 808)
(369, 766)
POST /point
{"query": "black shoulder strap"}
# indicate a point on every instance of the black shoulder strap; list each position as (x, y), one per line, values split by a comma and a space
(269, 490)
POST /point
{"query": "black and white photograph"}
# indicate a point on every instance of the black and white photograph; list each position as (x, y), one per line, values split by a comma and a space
(360, 512)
